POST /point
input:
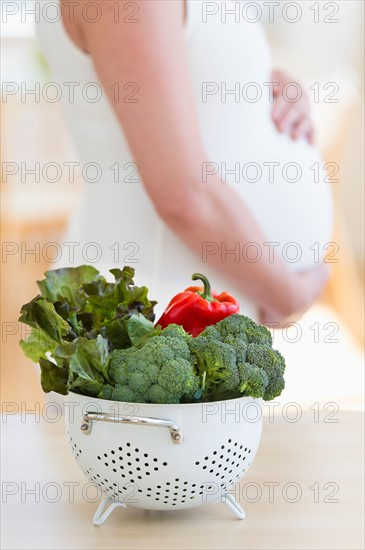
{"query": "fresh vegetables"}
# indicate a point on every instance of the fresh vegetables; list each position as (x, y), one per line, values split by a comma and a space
(158, 372)
(235, 358)
(198, 307)
(78, 319)
(98, 338)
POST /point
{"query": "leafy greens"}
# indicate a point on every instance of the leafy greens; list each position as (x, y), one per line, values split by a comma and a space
(78, 319)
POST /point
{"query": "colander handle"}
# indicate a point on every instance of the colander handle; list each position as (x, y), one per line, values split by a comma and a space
(89, 417)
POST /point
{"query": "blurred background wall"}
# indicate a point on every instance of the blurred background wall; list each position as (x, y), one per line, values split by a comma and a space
(34, 213)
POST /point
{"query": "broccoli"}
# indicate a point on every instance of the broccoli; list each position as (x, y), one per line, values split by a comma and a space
(253, 379)
(162, 362)
(106, 392)
(227, 360)
(243, 328)
(273, 363)
(126, 394)
(117, 365)
(211, 333)
(179, 375)
(235, 337)
(239, 344)
(158, 394)
(260, 368)
(176, 331)
(219, 363)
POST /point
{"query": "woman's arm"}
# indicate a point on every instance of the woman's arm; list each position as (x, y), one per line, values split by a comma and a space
(163, 135)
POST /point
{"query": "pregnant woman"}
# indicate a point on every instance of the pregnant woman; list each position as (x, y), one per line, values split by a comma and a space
(194, 170)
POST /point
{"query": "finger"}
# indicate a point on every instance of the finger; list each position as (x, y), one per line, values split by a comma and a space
(312, 136)
(292, 117)
(303, 128)
(276, 84)
(281, 106)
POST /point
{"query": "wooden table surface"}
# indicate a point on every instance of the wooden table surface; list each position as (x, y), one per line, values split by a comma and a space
(314, 471)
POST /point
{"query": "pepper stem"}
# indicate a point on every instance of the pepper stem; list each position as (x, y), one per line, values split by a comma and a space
(207, 292)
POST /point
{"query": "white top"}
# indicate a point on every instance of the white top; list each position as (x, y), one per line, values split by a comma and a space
(235, 132)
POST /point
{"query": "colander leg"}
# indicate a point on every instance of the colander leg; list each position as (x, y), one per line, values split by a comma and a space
(102, 514)
(234, 506)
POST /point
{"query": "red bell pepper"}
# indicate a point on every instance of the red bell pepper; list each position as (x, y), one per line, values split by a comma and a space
(198, 307)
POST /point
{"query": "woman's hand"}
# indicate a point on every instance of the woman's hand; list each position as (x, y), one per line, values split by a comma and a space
(289, 116)
(303, 288)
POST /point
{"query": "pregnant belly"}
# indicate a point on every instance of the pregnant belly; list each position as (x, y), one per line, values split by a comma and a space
(284, 184)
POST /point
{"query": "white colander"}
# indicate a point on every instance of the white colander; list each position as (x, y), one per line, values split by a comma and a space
(163, 457)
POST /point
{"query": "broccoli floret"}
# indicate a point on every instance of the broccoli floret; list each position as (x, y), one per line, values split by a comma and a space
(106, 392)
(218, 361)
(243, 328)
(253, 380)
(117, 366)
(178, 377)
(176, 331)
(139, 382)
(232, 326)
(230, 330)
(211, 333)
(158, 394)
(239, 344)
(163, 361)
(258, 333)
(273, 364)
(126, 394)
(179, 346)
